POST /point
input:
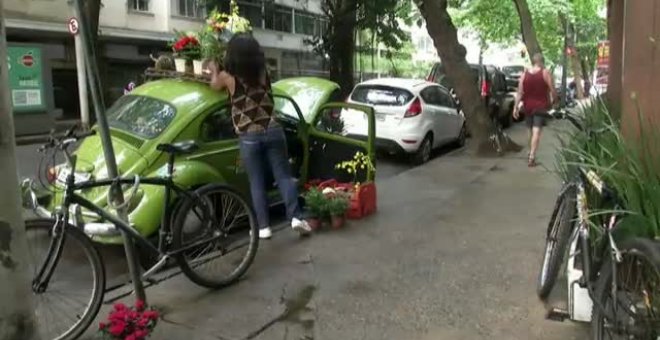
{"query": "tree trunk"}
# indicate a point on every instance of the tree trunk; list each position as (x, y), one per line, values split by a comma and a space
(527, 28)
(452, 53)
(342, 45)
(16, 315)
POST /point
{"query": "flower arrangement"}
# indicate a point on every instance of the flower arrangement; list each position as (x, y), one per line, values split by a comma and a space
(219, 22)
(359, 162)
(129, 323)
(186, 46)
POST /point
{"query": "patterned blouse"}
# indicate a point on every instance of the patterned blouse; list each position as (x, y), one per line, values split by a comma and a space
(252, 107)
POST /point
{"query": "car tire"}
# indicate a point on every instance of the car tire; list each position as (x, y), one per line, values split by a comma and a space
(423, 154)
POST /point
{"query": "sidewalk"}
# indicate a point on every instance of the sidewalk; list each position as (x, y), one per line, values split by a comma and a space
(452, 253)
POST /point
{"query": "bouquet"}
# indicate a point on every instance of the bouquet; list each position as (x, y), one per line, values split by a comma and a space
(187, 46)
(129, 323)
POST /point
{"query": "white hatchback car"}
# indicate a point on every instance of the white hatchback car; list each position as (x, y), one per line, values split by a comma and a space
(412, 116)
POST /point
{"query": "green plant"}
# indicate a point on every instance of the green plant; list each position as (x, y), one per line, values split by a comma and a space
(359, 162)
(316, 203)
(338, 204)
(628, 165)
(211, 48)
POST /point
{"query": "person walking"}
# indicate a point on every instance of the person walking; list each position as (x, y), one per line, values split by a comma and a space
(262, 139)
(536, 91)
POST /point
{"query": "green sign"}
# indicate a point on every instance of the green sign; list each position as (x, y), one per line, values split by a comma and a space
(25, 79)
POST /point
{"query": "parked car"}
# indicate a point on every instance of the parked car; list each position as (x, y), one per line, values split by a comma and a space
(513, 74)
(412, 116)
(173, 110)
(491, 83)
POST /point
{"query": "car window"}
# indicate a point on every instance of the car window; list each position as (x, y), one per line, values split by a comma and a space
(445, 98)
(381, 95)
(431, 96)
(217, 126)
(514, 70)
(145, 117)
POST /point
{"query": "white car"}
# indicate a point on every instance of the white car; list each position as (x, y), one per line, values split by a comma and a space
(412, 116)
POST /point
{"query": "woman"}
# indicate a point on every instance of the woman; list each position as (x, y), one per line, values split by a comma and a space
(537, 93)
(262, 140)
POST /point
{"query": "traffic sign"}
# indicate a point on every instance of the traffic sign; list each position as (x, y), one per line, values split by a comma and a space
(73, 26)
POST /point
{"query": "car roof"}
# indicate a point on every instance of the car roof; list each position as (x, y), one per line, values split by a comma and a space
(409, 84)
(184, 95)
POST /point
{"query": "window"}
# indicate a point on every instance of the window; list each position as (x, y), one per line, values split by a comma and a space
(446, 99)
(381, 95)
(191, 8)
(305, 23)
(278, 18)
(139, 5)
(143, 116)
(217, 126)
(251, 10)
(431, 96)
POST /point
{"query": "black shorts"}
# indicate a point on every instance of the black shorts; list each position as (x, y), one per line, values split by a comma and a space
(534, 121)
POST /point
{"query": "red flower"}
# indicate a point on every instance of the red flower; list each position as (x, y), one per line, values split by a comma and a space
(131, 337)
(140, 334)
(139, 305)
(120, 306)
(102, 325)
(118, 315)
(150, 314)
(118, 328)
(143, 322)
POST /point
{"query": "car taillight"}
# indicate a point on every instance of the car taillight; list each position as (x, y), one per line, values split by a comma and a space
(51, 175)
(414, 109)
(484, 88)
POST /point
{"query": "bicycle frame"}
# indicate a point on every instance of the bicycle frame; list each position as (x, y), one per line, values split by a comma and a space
(45, 272)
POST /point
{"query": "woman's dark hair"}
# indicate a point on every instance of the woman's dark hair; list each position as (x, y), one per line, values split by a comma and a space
(245, 59)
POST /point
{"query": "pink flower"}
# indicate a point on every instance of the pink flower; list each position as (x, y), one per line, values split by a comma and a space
(102, 325)
(120, 306)
(140, 334)
(139, 305)
(117, 328)
(130, 337)
(150, 314)
(143, 322)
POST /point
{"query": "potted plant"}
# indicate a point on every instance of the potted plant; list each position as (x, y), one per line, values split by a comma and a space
(186, 48)
(316, 204)
(211, 51)
(337, 207)
(363, 198)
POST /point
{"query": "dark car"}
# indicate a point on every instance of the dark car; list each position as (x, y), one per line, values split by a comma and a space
(491, 83)
(513, 74)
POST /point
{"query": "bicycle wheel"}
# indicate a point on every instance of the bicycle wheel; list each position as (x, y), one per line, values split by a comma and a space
(637, 312)
(559, 231)
(71, 300)
(218, 235)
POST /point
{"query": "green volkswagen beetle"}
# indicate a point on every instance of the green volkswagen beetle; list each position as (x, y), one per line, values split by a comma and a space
(174, 110)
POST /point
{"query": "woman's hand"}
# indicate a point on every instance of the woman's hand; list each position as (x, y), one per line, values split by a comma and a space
(213, 67)
(516, 112)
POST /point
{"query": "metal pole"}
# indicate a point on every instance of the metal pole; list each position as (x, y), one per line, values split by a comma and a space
(104, 134)
(564, 64)
(82, 82)
(17, 317)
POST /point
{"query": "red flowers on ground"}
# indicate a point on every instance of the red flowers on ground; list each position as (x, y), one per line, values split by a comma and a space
(135, 323)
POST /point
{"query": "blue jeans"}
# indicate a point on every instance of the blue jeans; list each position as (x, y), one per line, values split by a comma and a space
(263, 150)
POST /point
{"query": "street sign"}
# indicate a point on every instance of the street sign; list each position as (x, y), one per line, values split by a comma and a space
(603, 53)
(26, 79)
(73, 26)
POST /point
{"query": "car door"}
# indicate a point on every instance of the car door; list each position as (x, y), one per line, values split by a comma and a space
(438, 114)
(330, 144)
(455, 118)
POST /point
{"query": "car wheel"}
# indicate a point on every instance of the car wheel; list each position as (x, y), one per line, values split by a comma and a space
(462, 136)
(423, 154)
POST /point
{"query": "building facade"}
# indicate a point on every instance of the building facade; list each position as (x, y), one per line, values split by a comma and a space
(130, 31)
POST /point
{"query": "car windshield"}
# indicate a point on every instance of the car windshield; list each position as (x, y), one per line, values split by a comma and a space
(513, 70)
(381, 95)
(143, 116)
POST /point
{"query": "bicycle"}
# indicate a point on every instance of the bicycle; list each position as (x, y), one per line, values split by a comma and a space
(197, 230)
(603, 260)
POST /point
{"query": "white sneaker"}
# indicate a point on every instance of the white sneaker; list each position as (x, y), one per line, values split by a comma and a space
(301, 226)
(265, 233)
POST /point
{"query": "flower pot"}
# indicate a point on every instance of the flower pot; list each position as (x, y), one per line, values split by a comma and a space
(198, 67)
(180, 64)
(337, 221)
(314, 223)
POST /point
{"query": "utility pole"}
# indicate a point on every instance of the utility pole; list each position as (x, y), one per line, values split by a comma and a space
(82, 82)
(108, 151)
(564, 63)
(16, 315)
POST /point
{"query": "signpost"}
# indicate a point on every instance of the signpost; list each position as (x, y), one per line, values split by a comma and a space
(74, 28)
(26, 79)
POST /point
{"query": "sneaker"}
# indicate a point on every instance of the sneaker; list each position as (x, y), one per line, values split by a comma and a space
(301, 226)
(265, 233)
